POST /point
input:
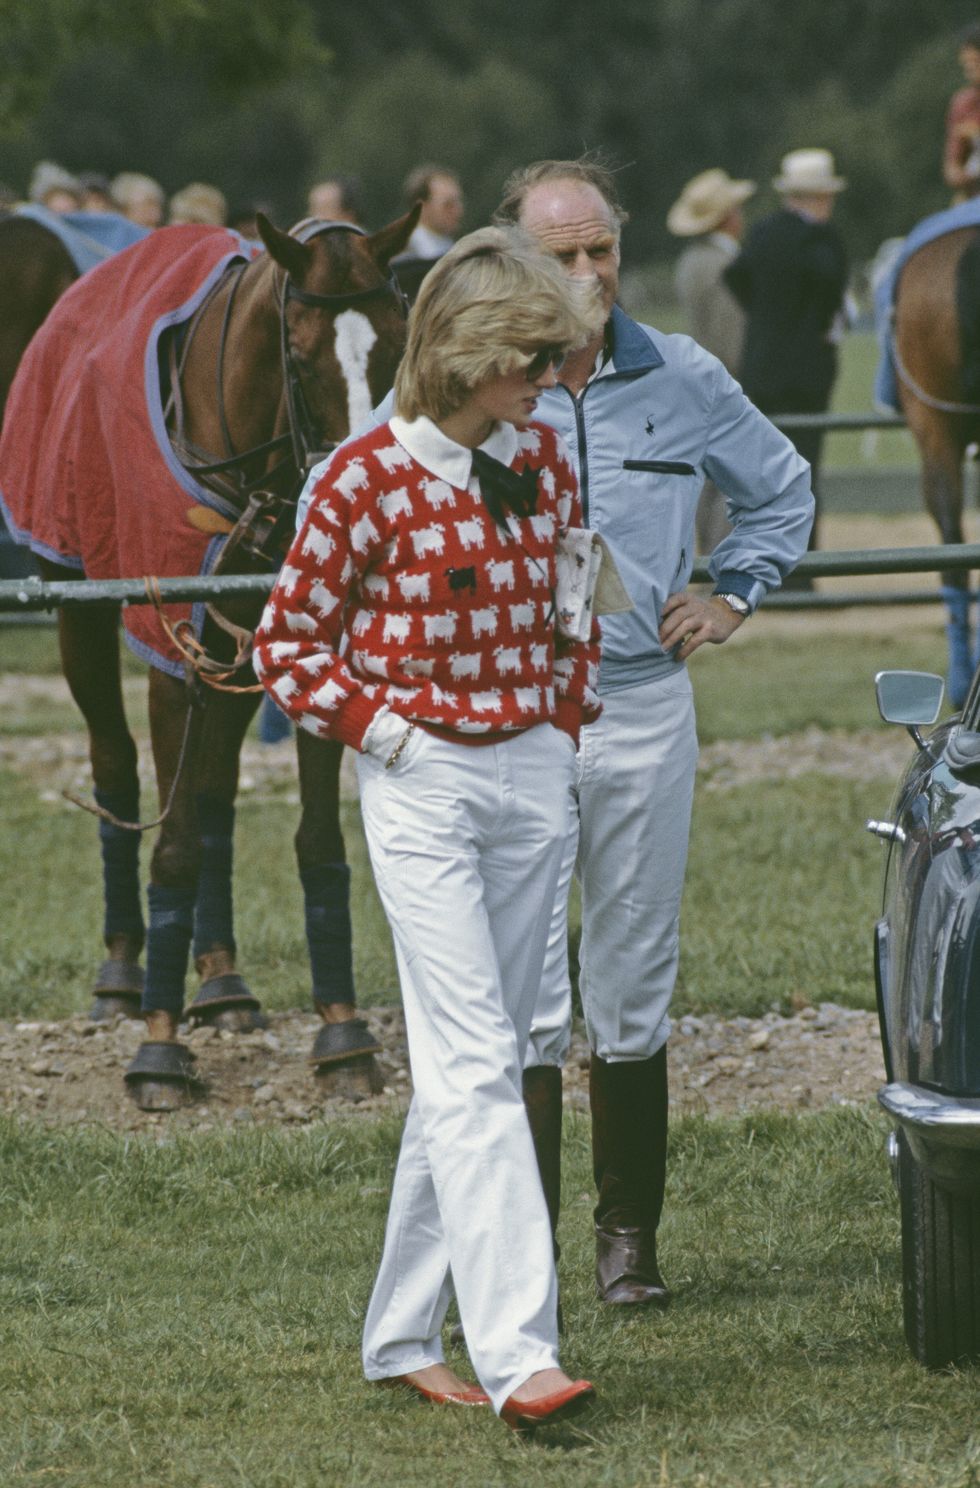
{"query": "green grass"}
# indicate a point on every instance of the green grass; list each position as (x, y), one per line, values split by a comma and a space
(780, 897)
(27, 649)
(185, 1312)
(882, 448)
(745, 945)
(188, 1313)
(774, 682)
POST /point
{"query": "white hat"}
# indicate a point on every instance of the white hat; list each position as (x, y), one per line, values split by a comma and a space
(705, 202)
(49, 177)
(808, 173)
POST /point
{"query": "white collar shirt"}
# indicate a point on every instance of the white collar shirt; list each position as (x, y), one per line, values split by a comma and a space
(442, 456)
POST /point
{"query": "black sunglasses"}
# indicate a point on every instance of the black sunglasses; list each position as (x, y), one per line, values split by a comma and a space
(543, 358)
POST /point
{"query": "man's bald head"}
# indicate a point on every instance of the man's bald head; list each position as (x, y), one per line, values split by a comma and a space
(575, 216)
(587, 171)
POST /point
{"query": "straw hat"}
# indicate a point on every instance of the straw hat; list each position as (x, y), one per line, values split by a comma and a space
(808, 173)
(705, 202)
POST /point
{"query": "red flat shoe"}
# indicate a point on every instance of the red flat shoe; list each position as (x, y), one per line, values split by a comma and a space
(524, 1415)
(469, 1395)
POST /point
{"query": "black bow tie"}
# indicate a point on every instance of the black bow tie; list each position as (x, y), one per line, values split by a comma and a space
(503, 488)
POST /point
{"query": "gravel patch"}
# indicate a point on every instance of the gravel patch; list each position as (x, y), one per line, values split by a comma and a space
(53, 763)
(70, 1072)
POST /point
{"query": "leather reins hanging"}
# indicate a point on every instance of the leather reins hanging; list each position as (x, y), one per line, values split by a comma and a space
(300, 439)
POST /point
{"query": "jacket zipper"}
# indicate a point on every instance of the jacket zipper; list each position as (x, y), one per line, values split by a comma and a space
(583, 462)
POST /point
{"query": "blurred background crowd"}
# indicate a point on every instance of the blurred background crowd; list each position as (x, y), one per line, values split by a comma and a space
(263, 103)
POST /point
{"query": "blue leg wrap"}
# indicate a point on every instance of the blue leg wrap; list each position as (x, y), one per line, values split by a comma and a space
(167, 943)
(960, 650)
(213, 914)
(273, 723)
(121, 866)
(326, 891)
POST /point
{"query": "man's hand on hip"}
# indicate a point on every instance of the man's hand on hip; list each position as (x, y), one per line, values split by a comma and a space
(687, 622)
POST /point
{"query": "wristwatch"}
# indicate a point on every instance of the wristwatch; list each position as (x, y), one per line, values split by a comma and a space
(735, 602)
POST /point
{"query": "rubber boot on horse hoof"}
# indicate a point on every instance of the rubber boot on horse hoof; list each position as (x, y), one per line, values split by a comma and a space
(629, 1159)
(118, 991)
(344, 1063)
(161, 1076)
(224, 1002)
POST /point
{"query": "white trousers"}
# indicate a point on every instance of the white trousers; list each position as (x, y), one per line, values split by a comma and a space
(634, 787)
(466, 846)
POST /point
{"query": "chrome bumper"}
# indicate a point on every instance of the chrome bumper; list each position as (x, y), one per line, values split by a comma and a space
(943, 1132)
(946, 1119)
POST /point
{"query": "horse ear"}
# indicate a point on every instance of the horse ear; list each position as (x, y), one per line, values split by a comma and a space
(289, 252)
(390, 240)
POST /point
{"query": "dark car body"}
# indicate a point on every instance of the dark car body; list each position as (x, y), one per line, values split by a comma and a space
(927, 967)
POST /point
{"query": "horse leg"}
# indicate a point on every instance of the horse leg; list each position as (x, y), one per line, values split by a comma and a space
(943, 494)
(344, 1049)
(223, 999)
(160, 1076)
(89, 642)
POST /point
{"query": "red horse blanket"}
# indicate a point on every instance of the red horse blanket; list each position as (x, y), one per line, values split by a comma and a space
(87, 474)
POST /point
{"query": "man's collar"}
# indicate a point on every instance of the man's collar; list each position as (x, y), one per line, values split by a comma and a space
(803, 214)
(442, 456)
(726, 241)
(632, 349)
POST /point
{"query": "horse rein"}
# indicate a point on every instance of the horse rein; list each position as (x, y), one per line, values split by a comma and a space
(306, 452)
(259, 506)
(307, 448)
(261, 521)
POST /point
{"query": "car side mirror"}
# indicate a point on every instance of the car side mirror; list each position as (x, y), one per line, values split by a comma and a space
(912, 698)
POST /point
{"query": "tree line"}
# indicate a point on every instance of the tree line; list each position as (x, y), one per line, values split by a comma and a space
(263, 100)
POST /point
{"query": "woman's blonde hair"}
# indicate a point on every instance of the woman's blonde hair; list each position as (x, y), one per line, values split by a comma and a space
(484, 309)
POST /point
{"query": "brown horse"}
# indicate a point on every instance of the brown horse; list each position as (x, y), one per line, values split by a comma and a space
(36, 270)
(279, 356)
(939, 399)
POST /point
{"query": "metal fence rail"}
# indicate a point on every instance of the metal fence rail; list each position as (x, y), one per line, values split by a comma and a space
(838, 422)
(24, 596)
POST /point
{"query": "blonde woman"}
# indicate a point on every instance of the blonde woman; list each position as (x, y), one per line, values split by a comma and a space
(414, 619)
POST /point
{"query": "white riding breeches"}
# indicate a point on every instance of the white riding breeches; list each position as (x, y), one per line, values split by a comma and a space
(466, 845)
(634, 786)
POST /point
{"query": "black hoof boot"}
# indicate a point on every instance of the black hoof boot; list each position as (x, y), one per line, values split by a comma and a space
(161, 1077)
(344, 1063)
(225, 1002)
(118, 991)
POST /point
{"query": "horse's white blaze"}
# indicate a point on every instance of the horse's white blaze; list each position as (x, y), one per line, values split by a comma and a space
(354, 335)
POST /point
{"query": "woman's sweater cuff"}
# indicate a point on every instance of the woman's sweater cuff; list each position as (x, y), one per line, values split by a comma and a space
(353, 718)
(568, 717)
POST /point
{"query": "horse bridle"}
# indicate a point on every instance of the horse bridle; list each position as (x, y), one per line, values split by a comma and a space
(307, 451)
(303, 437)
(265, 519)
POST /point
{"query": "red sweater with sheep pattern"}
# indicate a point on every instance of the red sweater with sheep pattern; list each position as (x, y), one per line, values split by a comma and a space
(400, 589)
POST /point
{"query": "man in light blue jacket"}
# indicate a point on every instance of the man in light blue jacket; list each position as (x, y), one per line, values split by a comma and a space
(648, 418)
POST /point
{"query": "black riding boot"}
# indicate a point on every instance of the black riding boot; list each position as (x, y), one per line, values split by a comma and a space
(542, 1101)
(629, 1159)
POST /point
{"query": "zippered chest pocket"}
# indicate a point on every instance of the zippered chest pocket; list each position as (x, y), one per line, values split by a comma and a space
(661, 467)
